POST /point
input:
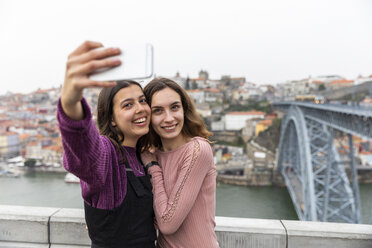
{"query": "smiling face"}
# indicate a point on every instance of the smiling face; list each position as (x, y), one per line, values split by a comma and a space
(131, 114)
(167, 117)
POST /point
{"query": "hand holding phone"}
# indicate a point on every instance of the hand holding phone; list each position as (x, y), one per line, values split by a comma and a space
(136, 63)
(80, 64)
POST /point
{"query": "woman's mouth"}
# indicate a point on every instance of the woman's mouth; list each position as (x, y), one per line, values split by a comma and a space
(140, 121)
(170, 128)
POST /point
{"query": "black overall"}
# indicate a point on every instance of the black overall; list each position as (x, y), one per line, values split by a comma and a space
(130, 225)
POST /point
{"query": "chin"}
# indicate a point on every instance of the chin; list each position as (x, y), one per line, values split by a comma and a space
(170, 136)
(144, 132)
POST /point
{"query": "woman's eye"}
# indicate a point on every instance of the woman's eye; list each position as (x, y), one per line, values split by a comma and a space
(143, 101)
(127, 105)
(175, 107)
(156, 111)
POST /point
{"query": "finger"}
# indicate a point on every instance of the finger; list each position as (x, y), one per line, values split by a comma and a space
(97, 84)
(85, 47)
(94, 54)
(99, 53)
(94, 65)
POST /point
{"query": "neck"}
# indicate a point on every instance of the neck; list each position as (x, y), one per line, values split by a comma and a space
(172, 144)
(129, 142)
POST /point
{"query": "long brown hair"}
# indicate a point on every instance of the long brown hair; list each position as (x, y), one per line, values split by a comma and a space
(193, 124)
(105, 114)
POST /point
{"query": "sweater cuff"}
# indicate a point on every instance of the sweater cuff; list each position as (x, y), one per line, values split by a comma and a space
(154, 169)
(64, 120)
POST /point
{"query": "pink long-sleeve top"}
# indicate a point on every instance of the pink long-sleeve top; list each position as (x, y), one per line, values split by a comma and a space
(184, 189)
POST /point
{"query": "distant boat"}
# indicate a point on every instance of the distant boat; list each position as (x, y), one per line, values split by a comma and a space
(71, 178)
(8, 173)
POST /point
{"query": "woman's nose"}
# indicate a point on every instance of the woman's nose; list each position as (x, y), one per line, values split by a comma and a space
(168, 117)
(139, 108)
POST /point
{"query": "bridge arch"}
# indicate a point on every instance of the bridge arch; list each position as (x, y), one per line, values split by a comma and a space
(294, 163)
(314, 171)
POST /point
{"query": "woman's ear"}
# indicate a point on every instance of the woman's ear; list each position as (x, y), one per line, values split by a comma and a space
(113, 123)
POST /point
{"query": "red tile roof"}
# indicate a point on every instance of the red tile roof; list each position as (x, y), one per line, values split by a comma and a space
(266, 122)
(246, 113)
(193, 91)
(343, 81)
(54, 148)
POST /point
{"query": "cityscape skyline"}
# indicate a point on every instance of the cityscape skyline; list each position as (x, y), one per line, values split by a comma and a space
(267, 42)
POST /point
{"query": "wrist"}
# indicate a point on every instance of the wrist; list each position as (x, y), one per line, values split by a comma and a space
(152, 163)
(74, 111)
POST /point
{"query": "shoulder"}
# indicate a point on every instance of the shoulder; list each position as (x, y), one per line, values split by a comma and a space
(201, 149)
(201, 143)
(106, 140)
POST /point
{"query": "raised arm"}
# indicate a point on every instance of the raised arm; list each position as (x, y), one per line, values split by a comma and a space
(86, 153)
(171, 210)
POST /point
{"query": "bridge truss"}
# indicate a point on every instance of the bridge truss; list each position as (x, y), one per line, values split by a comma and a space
(316, 159)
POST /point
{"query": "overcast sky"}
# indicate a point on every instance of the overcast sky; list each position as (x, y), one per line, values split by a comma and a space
(266, 41)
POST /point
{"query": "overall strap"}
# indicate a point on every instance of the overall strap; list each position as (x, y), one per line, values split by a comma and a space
(135, 182)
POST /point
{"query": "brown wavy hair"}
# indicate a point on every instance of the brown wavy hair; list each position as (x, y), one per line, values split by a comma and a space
(193, 124)
(105, 115)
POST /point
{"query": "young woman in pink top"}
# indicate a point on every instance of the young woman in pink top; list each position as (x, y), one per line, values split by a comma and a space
(182, 168)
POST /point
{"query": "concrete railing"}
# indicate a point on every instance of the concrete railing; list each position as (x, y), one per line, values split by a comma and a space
(29, 227)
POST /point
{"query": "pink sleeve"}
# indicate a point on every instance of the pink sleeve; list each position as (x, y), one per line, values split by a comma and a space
(171, 210)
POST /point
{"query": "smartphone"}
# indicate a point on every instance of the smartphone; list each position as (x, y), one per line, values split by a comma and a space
(137, 62)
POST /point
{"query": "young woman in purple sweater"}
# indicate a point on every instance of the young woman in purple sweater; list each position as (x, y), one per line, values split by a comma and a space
(117, 194)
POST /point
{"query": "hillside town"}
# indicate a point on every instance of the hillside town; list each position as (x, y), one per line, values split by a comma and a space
(245, 126)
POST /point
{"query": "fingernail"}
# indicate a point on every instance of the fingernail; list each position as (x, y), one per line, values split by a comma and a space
(116, 61)
(115, 50)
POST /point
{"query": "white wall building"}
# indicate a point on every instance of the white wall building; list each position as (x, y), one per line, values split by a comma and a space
(9, 145)
(234, 121)
(197, 95)
(295, 87)
(218, 126)
(204, 112)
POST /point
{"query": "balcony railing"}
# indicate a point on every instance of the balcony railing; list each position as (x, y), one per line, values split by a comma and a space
(29, 227)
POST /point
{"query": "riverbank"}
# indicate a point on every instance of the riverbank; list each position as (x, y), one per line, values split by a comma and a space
(249, 176)
(44, 168)
(10, 170)
(267, 177)
(256, 180)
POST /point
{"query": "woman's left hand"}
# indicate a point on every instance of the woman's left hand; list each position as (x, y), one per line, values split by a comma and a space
(147, 157)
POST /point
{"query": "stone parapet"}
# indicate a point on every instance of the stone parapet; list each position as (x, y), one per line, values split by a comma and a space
(68, 229)
(25, 226)
(243, 232)
(29, 227)
(326, 234)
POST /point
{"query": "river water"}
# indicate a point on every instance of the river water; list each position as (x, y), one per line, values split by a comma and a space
(50, 190)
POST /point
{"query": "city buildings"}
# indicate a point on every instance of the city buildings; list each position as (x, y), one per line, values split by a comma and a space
(234, 109)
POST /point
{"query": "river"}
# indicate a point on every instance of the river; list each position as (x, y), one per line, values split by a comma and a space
(50, 190)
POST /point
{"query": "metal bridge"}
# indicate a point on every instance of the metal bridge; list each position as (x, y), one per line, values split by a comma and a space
(316, 159)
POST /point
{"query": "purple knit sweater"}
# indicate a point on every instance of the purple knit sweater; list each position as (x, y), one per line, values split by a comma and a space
(93, 158)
